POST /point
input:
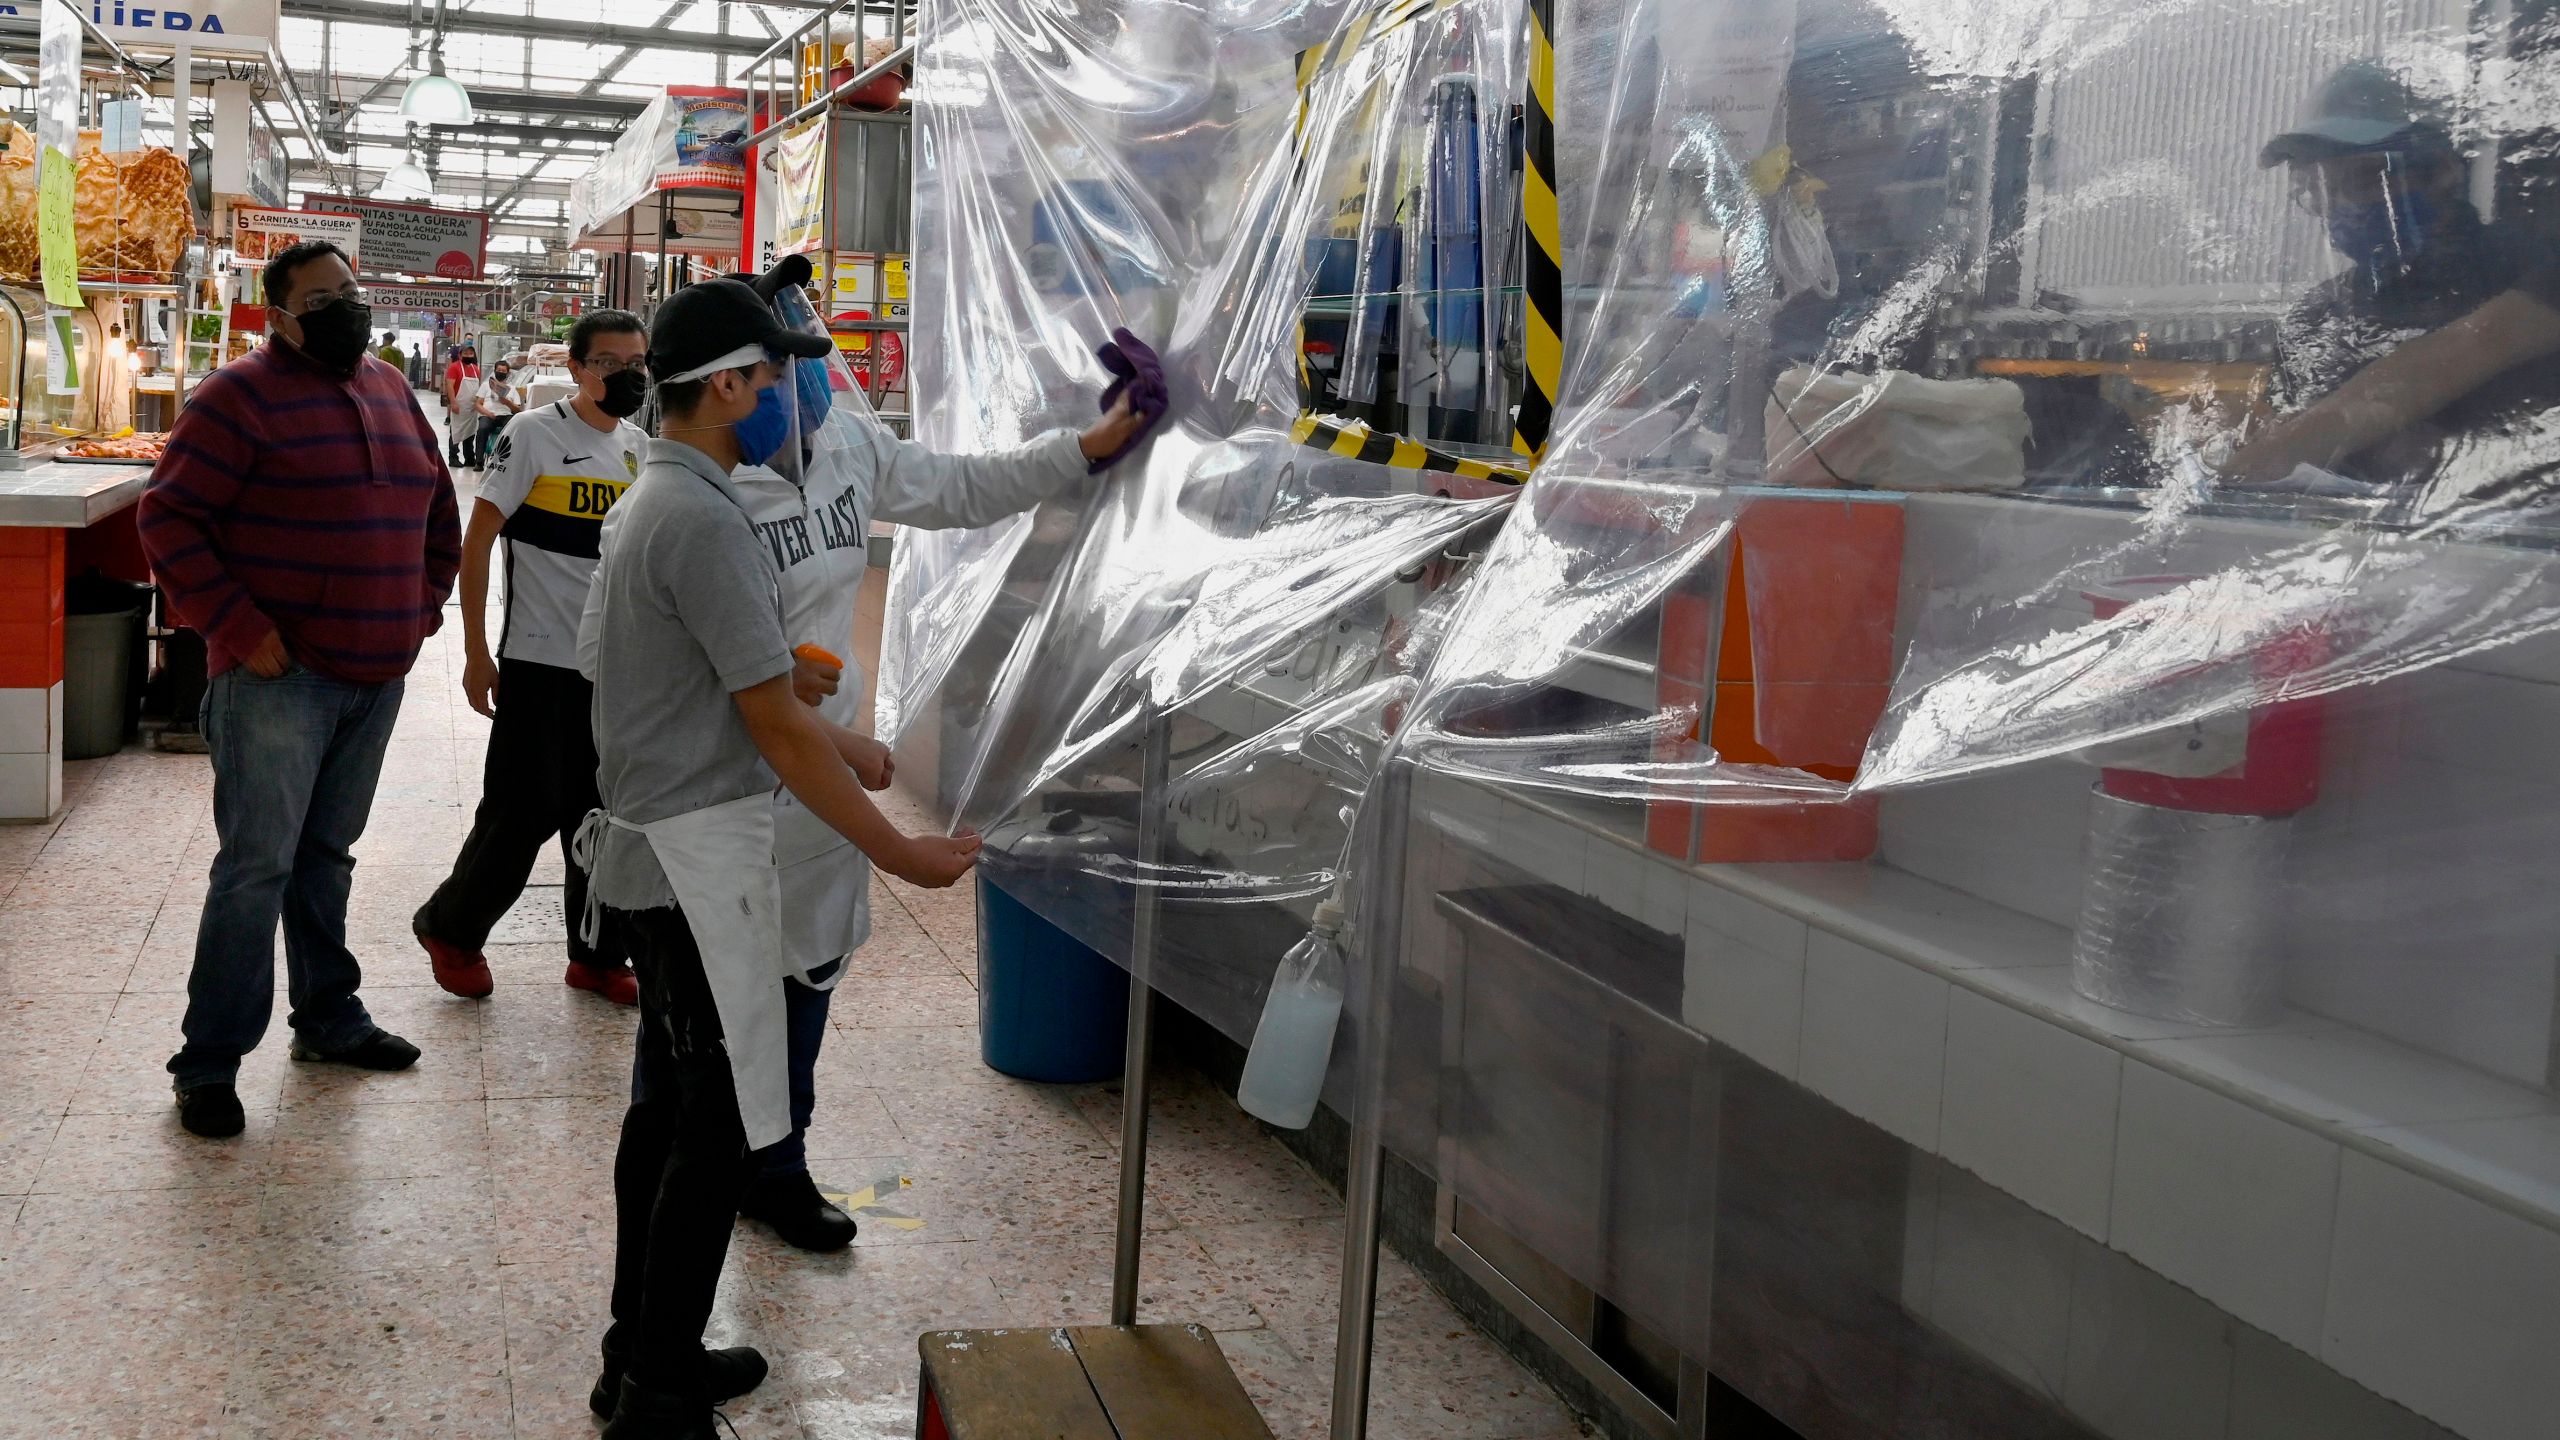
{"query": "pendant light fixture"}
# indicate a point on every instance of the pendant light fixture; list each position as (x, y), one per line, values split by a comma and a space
(436, 98)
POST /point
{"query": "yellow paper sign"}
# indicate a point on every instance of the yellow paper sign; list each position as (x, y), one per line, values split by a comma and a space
(57, 248)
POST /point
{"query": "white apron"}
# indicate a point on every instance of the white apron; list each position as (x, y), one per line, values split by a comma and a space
(720, 862)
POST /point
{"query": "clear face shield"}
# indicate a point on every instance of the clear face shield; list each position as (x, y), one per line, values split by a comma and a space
(2375, 204)
(827, 407)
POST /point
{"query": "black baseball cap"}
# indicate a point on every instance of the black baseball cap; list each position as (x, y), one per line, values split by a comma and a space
(720, 325)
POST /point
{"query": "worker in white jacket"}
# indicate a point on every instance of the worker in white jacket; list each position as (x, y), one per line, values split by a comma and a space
(813, 505)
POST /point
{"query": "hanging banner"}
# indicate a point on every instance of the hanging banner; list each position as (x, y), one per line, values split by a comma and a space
(258, 233)
(415, 239)
(801, 165)
(57, 136)
(688, 142)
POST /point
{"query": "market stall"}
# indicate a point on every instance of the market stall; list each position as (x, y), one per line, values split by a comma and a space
(835, 153)
(1947, 844)
(673, 191)
(100, 277)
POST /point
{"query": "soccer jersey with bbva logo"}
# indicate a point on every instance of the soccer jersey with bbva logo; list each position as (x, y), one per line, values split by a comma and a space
(554, 476)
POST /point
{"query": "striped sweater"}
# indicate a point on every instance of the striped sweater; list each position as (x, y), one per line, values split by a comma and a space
(318, 507)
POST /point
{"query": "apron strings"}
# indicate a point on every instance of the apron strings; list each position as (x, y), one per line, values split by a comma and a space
(585, 847)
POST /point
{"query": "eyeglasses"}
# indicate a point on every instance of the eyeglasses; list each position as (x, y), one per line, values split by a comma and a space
(605, 367)
(352, 294)
(2345, 180)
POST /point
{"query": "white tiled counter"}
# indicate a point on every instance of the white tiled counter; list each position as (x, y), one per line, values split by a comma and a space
(2391, 1212)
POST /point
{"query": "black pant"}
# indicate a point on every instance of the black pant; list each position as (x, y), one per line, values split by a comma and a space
(487, 439)
(538, 783)
(683, 1162)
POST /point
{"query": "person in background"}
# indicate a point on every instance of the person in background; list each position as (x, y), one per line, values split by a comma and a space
(302, 521)
(495, 402)
(813, 506)
(2378, 166)
(462, 417)
(695, 721)
(391, 354)
(553, 473)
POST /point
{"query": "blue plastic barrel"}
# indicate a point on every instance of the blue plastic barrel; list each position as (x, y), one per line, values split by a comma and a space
(1050, 1007)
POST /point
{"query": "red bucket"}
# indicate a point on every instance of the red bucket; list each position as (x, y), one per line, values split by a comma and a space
(2277, 769)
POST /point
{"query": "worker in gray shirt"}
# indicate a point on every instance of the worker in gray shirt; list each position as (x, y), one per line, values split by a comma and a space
(695, 720)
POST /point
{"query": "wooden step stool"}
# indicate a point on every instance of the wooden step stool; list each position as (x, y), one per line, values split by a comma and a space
(1086, 1382)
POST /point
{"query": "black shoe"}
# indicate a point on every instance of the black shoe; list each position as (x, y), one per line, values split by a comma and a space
(380, 1050)
(640, 1414)
(211, 1110)
(726, 1375)
(792, 1205)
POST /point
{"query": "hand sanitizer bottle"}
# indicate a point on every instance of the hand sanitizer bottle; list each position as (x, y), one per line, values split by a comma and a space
(1284, 1072)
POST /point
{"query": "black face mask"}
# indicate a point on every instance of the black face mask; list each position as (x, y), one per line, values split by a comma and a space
(624, 393)
(336, 334)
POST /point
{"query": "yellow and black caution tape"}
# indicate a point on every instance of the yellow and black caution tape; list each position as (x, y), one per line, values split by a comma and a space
(1352, 440)
(1542, 284)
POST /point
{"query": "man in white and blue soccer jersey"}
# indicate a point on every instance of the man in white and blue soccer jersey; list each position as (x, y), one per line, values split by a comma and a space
(550, 476)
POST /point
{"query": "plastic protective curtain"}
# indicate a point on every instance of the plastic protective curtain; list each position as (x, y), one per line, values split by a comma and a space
(1842, 463)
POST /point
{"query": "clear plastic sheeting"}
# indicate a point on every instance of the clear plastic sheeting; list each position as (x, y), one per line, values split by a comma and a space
(1922, 631)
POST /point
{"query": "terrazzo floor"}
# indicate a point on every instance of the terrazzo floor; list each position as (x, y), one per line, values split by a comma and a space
(427, 1254)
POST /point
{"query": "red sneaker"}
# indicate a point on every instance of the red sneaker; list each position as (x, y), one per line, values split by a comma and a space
(460, 972)
(614, 982)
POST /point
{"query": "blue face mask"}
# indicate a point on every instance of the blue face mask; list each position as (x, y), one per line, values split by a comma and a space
(763, 432)
(815, 393)
(2382, 235)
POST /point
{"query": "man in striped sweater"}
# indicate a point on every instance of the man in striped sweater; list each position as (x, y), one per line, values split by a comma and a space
(303, 521)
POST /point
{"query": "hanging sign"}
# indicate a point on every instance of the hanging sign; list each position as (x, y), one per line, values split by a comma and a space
(61, 353)
(422, 300)
(244, 25)
(57, 136)
(258, 233)
(801, 188)
(415, 239)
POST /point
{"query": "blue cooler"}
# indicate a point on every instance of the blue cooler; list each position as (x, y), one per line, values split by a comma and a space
(1050, 1007)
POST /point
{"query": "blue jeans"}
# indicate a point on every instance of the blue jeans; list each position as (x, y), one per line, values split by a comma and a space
(295, 761)
(804, 1014)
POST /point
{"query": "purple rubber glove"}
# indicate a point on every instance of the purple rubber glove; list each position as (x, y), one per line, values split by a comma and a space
(1140, 376)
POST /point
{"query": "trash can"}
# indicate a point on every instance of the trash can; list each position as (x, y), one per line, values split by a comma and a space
(102, 637)
(1050, 1007)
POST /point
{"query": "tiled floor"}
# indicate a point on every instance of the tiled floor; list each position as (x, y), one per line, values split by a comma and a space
(425, 1254)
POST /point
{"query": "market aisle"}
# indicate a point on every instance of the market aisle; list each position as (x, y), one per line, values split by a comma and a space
(426, 1254)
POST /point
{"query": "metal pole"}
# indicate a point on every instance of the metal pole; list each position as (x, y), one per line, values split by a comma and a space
(1364, 1190)
(1155, 743)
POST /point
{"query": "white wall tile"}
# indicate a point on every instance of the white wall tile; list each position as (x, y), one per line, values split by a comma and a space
(2149, 1361)
(2352, 1078)
(2279, 1393)
(2003, 1281)
(30, 786)
(2445, 1304)
(30, 720)
(1542, 846)
(2518, 1155)
(1748, 998)
(1875, 1037)
(2031, 1107)
(1666, 895)
(1614, 875)
(2227, 1200)
(1739, 917)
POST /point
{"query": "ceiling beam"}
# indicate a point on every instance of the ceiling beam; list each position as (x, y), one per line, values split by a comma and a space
(535, 102)
(489, 22)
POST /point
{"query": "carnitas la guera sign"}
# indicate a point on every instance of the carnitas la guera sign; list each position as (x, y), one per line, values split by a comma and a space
(214, 24)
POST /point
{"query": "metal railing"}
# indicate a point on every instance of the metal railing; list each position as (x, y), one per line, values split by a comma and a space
(856, 20)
